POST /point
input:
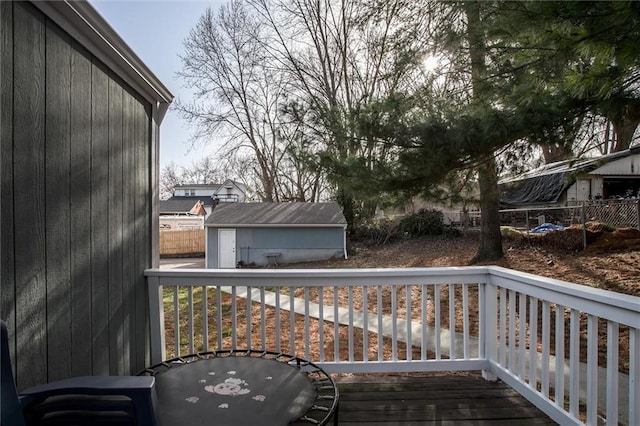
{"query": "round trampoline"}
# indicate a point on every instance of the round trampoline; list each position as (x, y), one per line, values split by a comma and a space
(243, 388)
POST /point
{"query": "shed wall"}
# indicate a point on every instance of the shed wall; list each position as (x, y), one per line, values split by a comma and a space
(294, 244)
(76, 206)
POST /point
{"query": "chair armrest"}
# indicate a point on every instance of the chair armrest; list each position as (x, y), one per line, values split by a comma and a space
(140, 389)
(93, 385)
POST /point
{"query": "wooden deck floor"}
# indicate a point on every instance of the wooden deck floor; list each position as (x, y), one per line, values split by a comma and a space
(433, 400)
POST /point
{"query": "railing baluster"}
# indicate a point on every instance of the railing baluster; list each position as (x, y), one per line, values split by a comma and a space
(512, 330)
(321, 322)
(409, 344)
(234, 316)
(292, 321)
(465, 320)
(205, 319)
(336, 325)
(350, 328)
(522, 322)
(176, 322)
(277, 321)
(546, 336)
(423, 321)
(307, 339)
(634, 376)
(249, 318)
(190, 320)
(365, 323)
(560, 356)
(613, 335)
(452, 321)
(437, 327)
(592, 369)
(533, 342)
(263, 319)
(503, 330)
(394, 322)
(574, 363)
(219, 316)
(380, 329)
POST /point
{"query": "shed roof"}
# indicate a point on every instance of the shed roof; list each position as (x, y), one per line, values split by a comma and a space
(278, 214)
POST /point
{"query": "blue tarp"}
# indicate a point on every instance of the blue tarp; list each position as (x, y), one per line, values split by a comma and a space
(546, 227)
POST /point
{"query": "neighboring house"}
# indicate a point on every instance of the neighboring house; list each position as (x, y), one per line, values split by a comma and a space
(228, 191)
(79, 123)
(174, 215)
(181, 205)
(612, 176)
(176, 212)
(263, 233)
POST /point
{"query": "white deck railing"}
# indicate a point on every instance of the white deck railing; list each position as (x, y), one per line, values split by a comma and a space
(584, 366)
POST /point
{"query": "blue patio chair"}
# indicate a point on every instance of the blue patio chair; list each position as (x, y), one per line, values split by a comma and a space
(87, 400)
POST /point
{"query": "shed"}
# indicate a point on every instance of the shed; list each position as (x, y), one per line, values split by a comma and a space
(612, 176)
(79, 121)
(263, 233)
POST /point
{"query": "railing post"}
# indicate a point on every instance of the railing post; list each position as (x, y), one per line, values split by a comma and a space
(156, 320)
(634, 376)
(488, 326)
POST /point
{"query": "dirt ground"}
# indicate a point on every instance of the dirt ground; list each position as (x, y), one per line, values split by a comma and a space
(611, 260)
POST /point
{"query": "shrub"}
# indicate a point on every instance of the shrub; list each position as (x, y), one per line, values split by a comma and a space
(425, 223)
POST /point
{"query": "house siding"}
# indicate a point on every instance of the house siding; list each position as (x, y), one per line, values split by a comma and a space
(76, 206)
(295, 244)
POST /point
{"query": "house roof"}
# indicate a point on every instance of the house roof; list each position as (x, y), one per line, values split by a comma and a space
(547, 183)
(182, 204)
(214, 187)
(277, 214)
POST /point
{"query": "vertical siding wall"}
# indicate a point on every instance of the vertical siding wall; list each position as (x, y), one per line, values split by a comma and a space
(75, 207)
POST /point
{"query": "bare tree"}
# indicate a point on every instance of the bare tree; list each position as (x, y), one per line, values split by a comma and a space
(340, 57)
(170, 176)
(207, 170)
(240, 95)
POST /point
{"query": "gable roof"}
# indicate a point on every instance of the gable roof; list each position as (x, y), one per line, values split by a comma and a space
(214, 187)
(182, 204)
(277, 214)
(230, 183)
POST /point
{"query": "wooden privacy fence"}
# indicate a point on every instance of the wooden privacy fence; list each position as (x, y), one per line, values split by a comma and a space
(181, 243)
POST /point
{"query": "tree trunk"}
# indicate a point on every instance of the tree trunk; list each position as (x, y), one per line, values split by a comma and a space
(490, 238)
(624, 134)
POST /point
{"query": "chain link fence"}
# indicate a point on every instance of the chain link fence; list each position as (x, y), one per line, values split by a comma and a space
(612, 213)
(615, 213)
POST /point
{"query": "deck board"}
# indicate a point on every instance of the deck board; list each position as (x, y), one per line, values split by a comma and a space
(435, 399)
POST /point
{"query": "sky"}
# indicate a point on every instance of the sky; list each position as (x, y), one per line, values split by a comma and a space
(155, 30)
